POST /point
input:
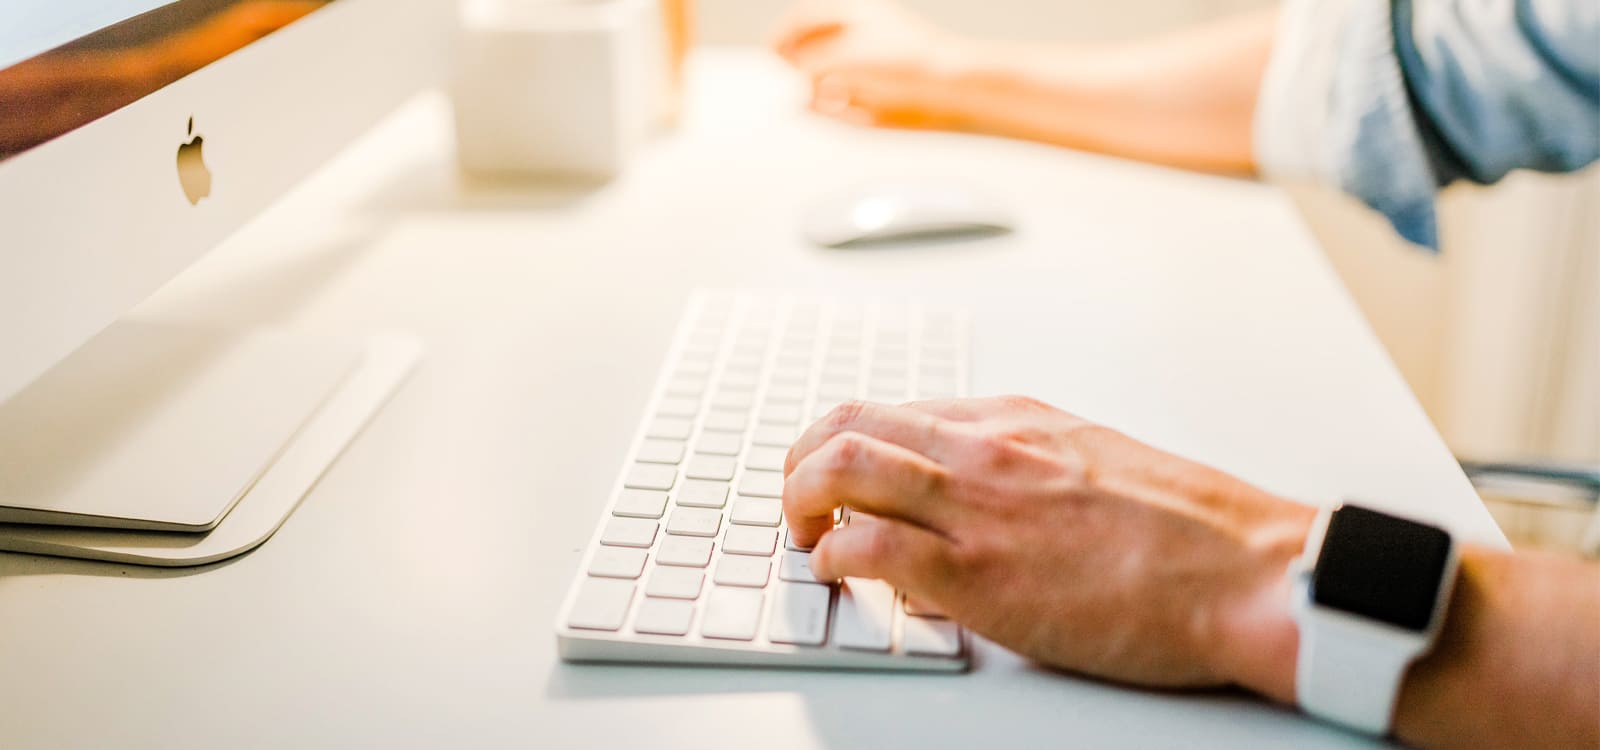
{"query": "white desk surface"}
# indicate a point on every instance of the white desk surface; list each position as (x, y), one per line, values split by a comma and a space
(409, 601)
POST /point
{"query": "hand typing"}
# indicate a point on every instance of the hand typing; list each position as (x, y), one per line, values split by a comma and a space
(1063, 540)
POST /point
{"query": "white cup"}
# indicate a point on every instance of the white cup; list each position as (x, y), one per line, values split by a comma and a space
(556, 87)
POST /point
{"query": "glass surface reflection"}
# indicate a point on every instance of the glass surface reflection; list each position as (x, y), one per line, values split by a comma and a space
(77, 83)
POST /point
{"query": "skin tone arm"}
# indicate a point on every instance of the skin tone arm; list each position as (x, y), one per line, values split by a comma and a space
(1184, 99)
(1086, 550)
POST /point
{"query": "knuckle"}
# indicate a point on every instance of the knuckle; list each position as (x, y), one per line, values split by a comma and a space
(999, 449)
(993, 443)
(846, 414)
(965, 556)
(1023, 403)
(935, 480)
(1025, 434)
(938, 430)
(844, 449)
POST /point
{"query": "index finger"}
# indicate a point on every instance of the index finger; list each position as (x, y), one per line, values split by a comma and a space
(916, 430)
(860, 472)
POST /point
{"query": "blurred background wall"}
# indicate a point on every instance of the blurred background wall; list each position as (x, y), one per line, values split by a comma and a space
(1499, 336)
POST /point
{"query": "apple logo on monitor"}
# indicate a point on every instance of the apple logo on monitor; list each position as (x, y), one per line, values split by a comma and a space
(192, 171)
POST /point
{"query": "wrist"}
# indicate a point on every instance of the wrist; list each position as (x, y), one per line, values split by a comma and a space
(1258, 637)
(962, 70)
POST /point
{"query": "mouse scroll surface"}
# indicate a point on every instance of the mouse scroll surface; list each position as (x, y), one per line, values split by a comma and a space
(899, 212)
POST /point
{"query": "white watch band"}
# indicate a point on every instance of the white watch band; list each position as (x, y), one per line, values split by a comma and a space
(1349, 675)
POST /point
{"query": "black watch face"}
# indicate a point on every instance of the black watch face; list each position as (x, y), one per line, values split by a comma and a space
(1380, 567)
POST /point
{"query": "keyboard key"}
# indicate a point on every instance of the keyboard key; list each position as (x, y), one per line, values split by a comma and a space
(799, 614)
(719, 443)
(650, 477)
(757, 511)
(684, 551)
(795, 356)
(694, 522)
(749, 540)
(788, 543)
(663, 616)
(629, 532)
(888, 369)
(678, 407)
(708, 466)
(844, 345)
(781, 414)
(740, 380)
(743, 570)
(671, 428)
(640, 504)
(847, 354)
(745, 362)
(731, 613)
(700, 493)
(881, 396)
(655, 451)
(839, 374)
(733, 401)
(896, 384)
(601, 604)
(692, 369)
(675, 583)
(761, 484)
(837, 392)
(936, 384)
(766, 458)
(926, 636)
(796, 566)
(727, 421)
(865, 614)
(617, 562)
(686, 386)
(706, 336)
(700, 350)
(791, 376)
(754, 334)
(780, 393)
(777, 436)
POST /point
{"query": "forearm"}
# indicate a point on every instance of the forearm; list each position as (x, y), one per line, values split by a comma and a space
(1185, 99)
(1517, 663)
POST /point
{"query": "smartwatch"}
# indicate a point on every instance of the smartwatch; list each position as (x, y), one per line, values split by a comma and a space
(1369, 594)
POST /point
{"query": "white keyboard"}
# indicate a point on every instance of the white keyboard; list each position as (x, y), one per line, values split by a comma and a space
(691, 562)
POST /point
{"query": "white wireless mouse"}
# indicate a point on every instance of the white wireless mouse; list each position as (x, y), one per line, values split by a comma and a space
(899, 211)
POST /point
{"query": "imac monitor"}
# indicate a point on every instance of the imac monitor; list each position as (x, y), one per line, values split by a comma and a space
(137, 134)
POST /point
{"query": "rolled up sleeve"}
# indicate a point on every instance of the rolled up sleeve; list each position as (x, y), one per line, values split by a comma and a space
(1391, 100)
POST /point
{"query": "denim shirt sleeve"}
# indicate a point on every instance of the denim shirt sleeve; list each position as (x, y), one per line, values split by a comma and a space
(1390, 100)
